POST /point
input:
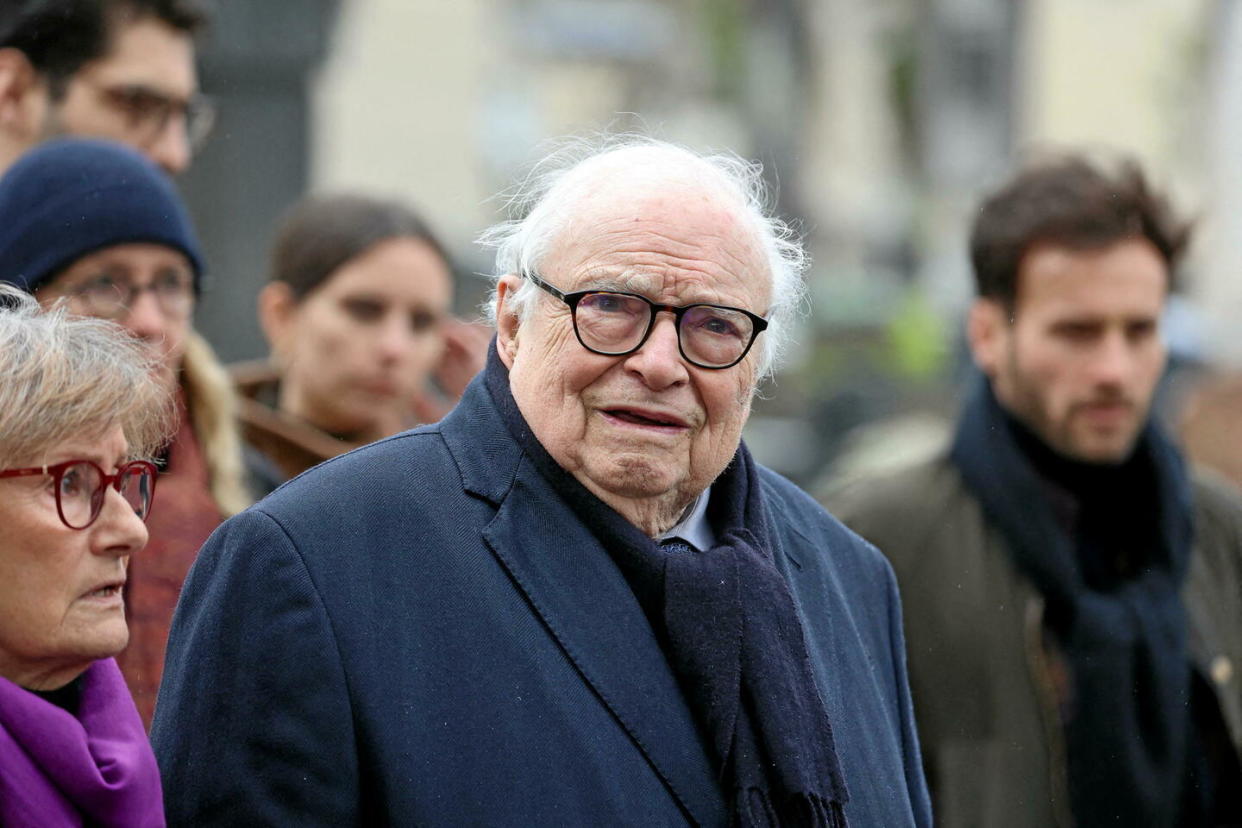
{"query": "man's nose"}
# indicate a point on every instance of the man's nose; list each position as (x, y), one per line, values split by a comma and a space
(1113, 360)
(171, 149)
(659, 361)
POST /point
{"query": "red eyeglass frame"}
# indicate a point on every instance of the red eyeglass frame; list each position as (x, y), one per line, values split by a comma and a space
(57, 471)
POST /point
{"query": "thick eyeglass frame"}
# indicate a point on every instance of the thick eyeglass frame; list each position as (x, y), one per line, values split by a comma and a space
(57, 472)
(148, 111)
(171, 305)
(758, 323)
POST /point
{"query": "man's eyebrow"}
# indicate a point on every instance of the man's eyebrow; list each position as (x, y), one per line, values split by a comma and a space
(621, 281)
(616, 285)
(140, 88)
(638, 283)
(607, 281)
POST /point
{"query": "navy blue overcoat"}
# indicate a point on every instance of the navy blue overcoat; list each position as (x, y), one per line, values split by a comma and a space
(420, 632)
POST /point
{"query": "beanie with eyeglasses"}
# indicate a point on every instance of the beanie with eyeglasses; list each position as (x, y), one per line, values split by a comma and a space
(69, 197)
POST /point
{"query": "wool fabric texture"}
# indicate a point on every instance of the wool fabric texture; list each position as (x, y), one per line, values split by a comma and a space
(93, 768)
(726, 620)
(1112, 585)
(69, 197)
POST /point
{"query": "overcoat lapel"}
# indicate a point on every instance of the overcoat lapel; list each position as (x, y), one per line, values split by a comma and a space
(585, 603)
(588, 607)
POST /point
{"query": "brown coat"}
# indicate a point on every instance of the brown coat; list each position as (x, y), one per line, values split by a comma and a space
(1211, 425)
(982, 683)
(292, 445)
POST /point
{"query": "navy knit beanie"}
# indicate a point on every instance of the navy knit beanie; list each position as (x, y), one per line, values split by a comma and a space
(72, 196)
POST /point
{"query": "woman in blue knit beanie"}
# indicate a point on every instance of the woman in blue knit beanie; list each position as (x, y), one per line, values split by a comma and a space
(97, 226)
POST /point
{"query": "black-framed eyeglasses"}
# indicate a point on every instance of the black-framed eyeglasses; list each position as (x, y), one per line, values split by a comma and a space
(111, 297)
(613, 323)
(81, 485)
(147, 112)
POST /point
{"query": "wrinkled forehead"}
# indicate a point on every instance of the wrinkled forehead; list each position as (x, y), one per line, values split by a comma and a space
(685, 214)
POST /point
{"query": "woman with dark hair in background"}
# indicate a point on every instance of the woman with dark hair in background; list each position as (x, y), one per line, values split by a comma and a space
(357, 315)
(81, 411)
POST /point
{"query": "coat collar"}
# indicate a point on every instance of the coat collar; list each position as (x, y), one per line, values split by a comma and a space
(584, 601)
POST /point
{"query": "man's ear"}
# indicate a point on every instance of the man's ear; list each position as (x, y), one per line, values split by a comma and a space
(507, 320)
(987, 332)
(276, 311)
(23, 96)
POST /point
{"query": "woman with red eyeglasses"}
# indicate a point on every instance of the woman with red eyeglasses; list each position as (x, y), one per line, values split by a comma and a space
(80, 410)
(98, 226)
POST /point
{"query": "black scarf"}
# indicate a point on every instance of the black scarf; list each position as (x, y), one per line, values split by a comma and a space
(1109, 549)
(727, 623)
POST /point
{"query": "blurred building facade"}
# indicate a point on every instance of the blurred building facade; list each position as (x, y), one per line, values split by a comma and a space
(880, 120)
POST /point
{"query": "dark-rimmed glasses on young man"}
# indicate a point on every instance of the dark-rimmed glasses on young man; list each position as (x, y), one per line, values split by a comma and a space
(613, 323)
(148, 111)
(80, 487)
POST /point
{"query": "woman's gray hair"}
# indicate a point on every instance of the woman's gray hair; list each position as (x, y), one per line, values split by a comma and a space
(64, 377)
(544, 202)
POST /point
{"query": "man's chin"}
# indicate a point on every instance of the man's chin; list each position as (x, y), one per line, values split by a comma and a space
(636, 476)
(1101, 449)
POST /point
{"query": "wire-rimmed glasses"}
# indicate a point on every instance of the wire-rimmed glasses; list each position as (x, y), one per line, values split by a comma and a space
(614, 323)
(81, 485)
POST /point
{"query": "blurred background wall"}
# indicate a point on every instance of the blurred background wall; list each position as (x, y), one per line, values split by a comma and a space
(880, 122)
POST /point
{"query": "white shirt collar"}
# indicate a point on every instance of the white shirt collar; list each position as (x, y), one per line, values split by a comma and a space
(694, 528)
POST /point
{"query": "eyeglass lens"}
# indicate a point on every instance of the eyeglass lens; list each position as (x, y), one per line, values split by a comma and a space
(615, 323)
(82, 489)
(149, 111)
(112, 297)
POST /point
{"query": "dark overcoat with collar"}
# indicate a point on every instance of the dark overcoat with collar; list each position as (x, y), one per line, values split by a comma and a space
(421, 632)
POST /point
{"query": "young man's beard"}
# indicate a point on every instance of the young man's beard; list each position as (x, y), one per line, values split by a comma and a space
(1057, 431)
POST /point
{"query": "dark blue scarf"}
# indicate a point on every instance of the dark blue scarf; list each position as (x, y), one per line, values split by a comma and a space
(727, 623)
(1109, 549)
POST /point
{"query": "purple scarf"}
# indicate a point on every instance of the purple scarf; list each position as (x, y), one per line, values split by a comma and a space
(96, 768)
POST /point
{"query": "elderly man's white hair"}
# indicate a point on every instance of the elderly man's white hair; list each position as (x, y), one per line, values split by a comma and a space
(547, 198)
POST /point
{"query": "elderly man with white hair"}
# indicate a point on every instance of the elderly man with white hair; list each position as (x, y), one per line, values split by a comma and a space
(577, 600)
